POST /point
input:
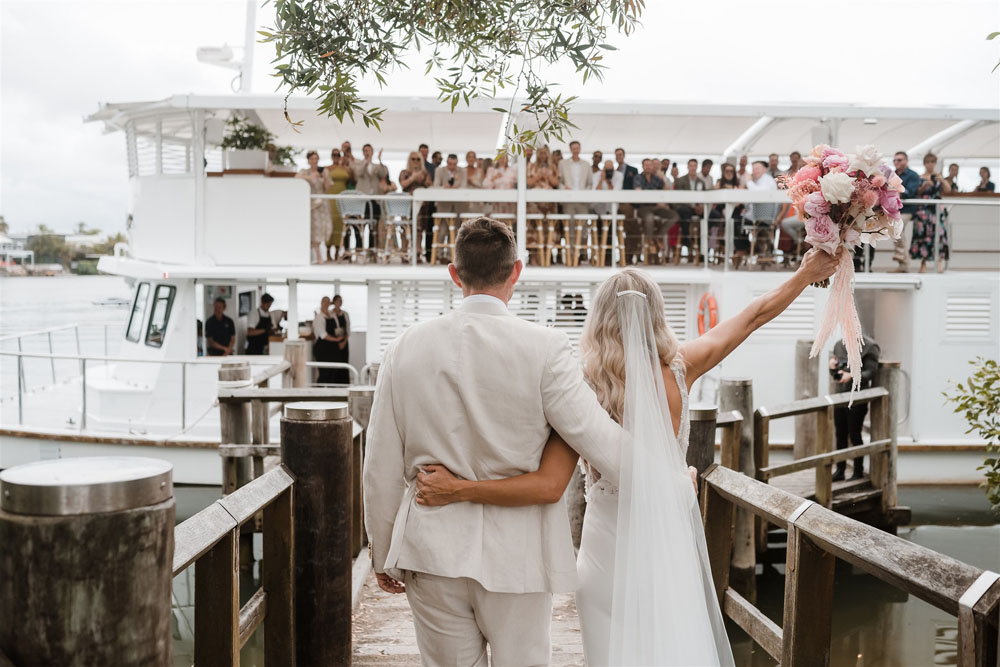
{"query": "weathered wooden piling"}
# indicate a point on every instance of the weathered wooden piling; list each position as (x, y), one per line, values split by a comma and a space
(701, 442)
(85, 564)
(806, 386)
(737, 394)
(236, 424)
(317, 447)
(296, 353)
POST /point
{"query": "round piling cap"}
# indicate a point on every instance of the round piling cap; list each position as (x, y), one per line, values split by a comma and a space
(699, 413)
(85, 485)
(361, 390)
(316, 411)
(235, 372)
(738, 380)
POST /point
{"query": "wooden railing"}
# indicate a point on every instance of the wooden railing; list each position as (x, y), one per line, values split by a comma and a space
(211, 539)
(817, 536)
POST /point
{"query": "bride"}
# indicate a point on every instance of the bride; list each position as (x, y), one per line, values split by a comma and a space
(646, 595)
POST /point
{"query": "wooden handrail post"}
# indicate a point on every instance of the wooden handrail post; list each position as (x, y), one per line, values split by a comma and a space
(808, 612)
(762, 456)
(296, 353)
(277, 568)
(317, 448)
(806, 386)
(718, 518)
(737, 394)
(236, 424)
(701, 442)
(730, 448)
(217, 603)
(888, 377)
(824, 445)
(85, 572)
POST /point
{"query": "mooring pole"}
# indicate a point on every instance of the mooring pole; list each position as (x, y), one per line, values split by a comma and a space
(701, 443)
(737, 394)
(85, 563)
(317, 447)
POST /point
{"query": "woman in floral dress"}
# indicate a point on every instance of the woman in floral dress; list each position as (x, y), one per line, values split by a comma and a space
(932, 186)
(320, 224)
(501, 176)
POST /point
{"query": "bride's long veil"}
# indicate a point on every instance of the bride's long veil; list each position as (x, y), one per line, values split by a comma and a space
(664, 609)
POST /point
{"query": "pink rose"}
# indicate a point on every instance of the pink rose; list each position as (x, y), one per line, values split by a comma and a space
(836, 161)
(869, 198)
(852, 237)
(819, 150)
(821, 232)
(827, 152)
(890, 202)
(896, 183)
(878, 180)
(816, 205)
(807, 174)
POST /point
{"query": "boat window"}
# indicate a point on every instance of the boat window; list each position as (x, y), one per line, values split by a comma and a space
(162, 301)
(134, 329)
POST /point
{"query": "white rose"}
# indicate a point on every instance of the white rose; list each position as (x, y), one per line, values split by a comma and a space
(836, 187)
(867, 160)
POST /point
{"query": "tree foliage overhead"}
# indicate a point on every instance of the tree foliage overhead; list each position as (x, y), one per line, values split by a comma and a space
(473, 48)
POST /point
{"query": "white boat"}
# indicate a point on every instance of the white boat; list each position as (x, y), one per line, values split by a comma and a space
(197, 233)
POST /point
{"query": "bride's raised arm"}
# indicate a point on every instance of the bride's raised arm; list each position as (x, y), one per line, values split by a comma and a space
(437, 486)
(703, 353)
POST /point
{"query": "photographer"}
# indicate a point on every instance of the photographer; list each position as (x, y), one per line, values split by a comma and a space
(450, 177)
(849, 420)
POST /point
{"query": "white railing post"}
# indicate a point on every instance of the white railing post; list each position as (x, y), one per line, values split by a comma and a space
(52, 359)
(706, 208)
(292, 316)
(83, 390)
(183, 395)
(414, 239)
(20, 390)
(522, 209)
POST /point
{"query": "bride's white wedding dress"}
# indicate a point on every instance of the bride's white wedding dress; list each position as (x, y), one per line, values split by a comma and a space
(646, 595)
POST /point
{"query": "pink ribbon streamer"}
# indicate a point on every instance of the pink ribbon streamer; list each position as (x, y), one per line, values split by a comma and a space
(841, 309)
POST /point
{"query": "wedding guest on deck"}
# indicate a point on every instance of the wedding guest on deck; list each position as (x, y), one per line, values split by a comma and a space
(607, 178)
(985, 184)
(795, 158)
(371, 178)
(557, 158)
(415, 175)
(348, 156)
(436, 161)
(925, 222)
(474, 180)
(340, 176)
(772, 165)
(762, 215)
(742, 172)
(429, 166)
(267, 320)
(575, 174)
(911, 182)
(542, 175)
(717, 222)
(501, 176)
(691, 181)
(655, 219)
(450, 177)
(485, 164)
(952, 179)
(706, 174)
(320, 225)
(331, 332)
(220, 331)
(674, 171)
(629, 173)
(662, 169)
(596, 161)
(848, 421)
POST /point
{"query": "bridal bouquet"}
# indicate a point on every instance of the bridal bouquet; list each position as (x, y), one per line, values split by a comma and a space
(845, 201)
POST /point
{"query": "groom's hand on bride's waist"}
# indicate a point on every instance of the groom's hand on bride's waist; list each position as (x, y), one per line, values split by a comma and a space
(437, 486)
(388, 584)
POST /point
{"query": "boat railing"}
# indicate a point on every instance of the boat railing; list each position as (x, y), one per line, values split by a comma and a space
(355, 376)
(710, 201)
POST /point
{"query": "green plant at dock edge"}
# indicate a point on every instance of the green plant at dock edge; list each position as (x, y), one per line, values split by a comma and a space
(978, 400)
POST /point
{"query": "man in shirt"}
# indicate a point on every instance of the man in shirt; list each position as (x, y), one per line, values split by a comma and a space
(428, 165)
(742, 172)
(762, 214)
(261, 325)
(692, 181)
(847, 421)
(772, 165)
(629, 173)
(450, 177)
(796, 163)
(706, 174)
(220, 332)
(575, 174)
(911, 182)
(657, 219)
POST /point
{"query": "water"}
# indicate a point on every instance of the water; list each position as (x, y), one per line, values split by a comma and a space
(874, 624)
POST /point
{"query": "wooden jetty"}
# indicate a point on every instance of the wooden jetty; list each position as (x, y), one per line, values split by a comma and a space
(303, 600)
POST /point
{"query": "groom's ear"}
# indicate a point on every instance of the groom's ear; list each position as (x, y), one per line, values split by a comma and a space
(515, 274)
(453, 272)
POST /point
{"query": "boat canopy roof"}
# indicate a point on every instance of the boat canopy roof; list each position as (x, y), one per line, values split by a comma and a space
(635, 125)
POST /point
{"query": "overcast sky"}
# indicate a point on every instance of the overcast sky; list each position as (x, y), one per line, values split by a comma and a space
(58, 60)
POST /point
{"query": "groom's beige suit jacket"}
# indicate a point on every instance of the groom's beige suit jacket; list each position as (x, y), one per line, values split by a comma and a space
(478, 390)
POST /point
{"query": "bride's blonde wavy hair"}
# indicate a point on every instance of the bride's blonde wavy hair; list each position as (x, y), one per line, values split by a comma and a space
(601, 348)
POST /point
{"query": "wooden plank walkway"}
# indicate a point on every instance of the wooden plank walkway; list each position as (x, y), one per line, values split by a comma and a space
(383, 631)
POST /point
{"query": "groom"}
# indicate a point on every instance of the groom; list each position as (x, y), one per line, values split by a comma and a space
(478, 390)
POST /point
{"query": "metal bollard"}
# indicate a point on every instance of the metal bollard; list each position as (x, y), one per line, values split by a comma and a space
(317, 447)
(86, 549)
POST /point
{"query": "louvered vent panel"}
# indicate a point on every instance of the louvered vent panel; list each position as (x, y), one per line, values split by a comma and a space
(676, 307)
(404, 303)
(967, 316)
(796, 322)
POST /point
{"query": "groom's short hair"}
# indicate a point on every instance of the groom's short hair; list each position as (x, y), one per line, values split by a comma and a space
(485, 252)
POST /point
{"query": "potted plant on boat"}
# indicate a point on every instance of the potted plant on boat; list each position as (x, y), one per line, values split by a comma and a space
(245, 144)
(282, 158)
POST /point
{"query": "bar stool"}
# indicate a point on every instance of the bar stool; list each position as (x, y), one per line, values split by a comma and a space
(535, 238)
(354, 211)
(557, 226)
(617, 244)
(398, 211)
(585, 228)
(443, 236)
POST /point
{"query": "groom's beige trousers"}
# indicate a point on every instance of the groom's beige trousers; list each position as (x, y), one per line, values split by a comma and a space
(456, 618)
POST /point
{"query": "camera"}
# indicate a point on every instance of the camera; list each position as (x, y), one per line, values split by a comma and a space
(451, 181)
(838, 372)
